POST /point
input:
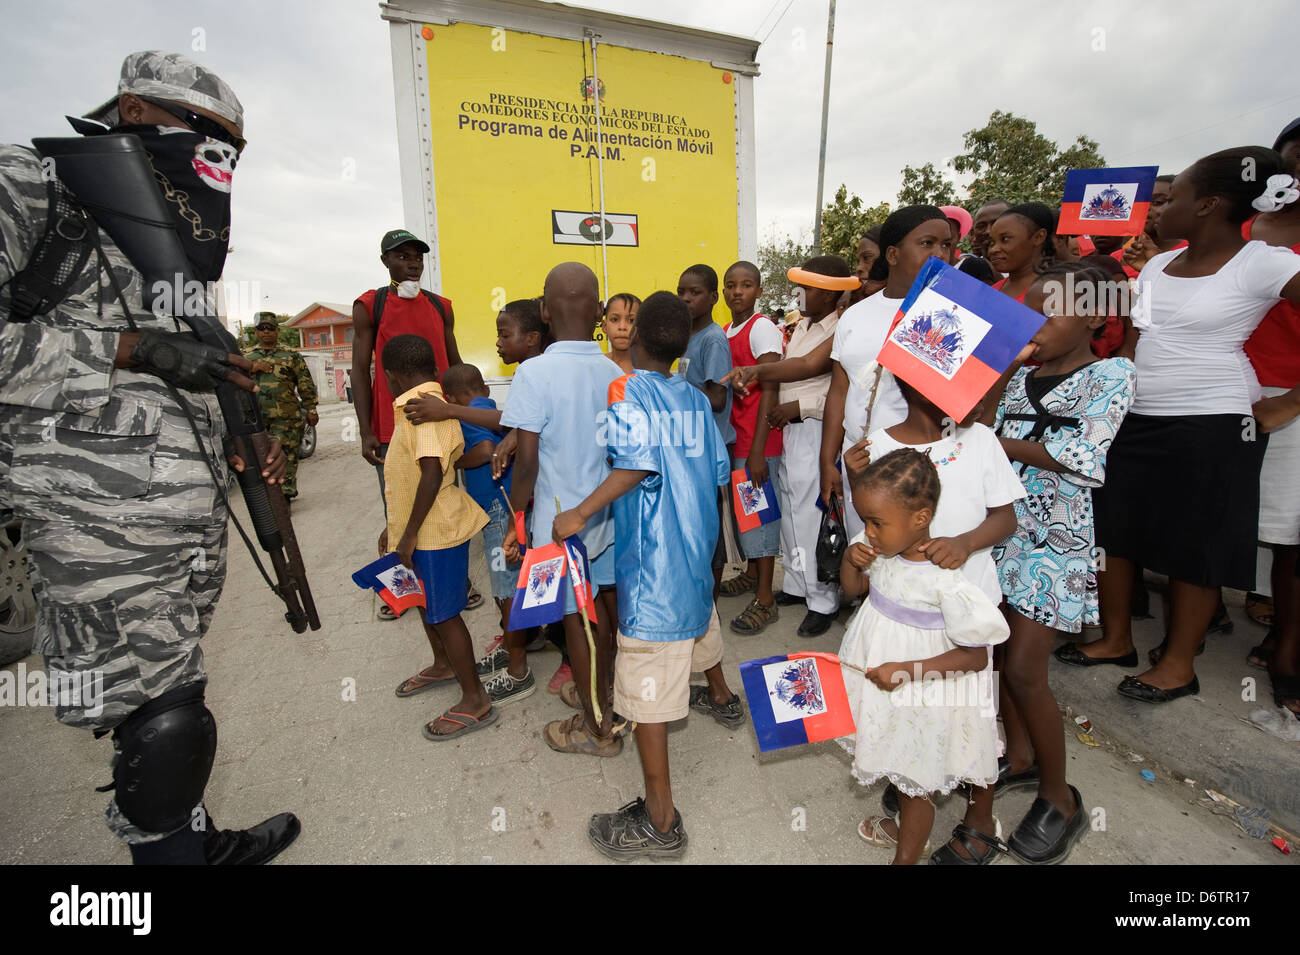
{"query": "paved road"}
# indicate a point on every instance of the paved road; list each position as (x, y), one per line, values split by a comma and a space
(370, 788)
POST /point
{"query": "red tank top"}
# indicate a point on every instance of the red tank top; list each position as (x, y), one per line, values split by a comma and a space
(401, 316)
(744, 411)
(1274, 347)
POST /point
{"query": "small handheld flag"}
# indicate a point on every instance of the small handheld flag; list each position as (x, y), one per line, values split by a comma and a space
(521, 529)
(795, 699)
(580, 576)
(954, 336)
(539, 594)
(1106, 201)
(755, 504)
(395, 583)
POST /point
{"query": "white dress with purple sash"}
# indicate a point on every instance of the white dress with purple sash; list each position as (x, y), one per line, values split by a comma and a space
(937, 730)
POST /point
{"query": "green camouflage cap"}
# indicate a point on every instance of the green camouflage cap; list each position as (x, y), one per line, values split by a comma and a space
(172, 77)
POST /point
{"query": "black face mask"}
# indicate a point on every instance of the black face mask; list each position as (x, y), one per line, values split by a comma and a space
(194, 173)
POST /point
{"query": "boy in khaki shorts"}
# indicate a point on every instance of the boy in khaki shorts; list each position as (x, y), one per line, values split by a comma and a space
(668, 463)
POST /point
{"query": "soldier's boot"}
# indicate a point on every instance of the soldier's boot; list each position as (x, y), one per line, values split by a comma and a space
(255, 846)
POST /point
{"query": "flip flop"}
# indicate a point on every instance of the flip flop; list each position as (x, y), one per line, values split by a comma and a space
(422, 683)
(468, 724)
(385, 612)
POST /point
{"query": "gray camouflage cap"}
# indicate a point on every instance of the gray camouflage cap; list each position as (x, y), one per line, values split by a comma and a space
(172, 77)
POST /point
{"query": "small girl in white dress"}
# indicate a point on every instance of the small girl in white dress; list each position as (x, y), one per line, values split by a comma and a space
(916, 655)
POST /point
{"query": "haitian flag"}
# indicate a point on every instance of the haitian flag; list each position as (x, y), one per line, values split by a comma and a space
(755, 506)
(539, 595)
(580, 575)
(795, 699)
(954, 336)
(395, 583)
(1106, 201)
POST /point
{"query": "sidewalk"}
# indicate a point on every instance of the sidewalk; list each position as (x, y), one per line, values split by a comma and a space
(310, 723)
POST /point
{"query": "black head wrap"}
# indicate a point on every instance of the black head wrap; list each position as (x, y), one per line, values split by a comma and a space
(895, 229)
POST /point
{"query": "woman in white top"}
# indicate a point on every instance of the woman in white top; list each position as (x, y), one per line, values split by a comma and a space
(1182, 494)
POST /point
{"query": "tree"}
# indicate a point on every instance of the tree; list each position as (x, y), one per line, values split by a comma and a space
(1011, 160)
(926, 186)
(776, 257)
(289, 337)
(845, 220)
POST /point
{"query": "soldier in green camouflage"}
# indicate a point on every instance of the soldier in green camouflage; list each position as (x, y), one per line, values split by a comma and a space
(286, 392)
(116, 462)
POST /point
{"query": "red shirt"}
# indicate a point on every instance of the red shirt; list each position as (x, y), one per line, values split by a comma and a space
(1001, 282)
(1274, 347)
(744, 411)
(401, 316)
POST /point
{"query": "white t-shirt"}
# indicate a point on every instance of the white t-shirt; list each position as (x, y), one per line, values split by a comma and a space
(1190, 359)
(858, 339)
(974, 475)
(764, 338)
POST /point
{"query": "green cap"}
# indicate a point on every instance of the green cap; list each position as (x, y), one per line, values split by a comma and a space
(392, 240)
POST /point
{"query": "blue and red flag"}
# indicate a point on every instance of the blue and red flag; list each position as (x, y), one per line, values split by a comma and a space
(795, 699)
(580, 576)
(539, 595)
(954, 336)
(395, 583)
(755, 504)
(1106, 201)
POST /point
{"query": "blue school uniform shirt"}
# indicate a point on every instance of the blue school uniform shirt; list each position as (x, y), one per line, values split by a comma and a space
(708, 358)
(560, 396)
(666, 526)
(478, 481)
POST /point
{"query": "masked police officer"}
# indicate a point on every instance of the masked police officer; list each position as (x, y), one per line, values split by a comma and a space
(112, 445)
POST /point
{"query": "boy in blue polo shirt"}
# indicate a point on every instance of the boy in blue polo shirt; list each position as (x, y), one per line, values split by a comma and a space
(669, 461)
(557, 401)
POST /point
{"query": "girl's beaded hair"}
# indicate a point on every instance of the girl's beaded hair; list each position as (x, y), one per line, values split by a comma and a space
(908, 474)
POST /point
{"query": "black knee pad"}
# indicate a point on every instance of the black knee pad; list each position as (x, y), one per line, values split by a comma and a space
(166, 751)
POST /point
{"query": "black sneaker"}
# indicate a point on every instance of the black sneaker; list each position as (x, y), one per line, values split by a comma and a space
(504, 688)
(629, 834)
(731, 714)
(489, 663)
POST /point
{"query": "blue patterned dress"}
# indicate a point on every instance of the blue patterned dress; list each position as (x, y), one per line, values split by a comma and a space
(1047, 568)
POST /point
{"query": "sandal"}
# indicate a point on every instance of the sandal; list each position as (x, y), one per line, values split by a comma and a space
(572, 736)
(872, 831)
(467, 723)
(1259, 609)
(473, 599)
(421, 682)
(385, 612)
(740, 584)
(754, 619)
(1261, 655)
(994, 847)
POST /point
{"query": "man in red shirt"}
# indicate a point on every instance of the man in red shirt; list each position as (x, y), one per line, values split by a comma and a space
(406, 310)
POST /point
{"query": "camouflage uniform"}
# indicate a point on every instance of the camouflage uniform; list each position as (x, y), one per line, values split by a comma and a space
(124, 524)
(282, 409)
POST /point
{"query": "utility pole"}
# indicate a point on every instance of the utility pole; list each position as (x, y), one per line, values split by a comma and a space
(821, 152)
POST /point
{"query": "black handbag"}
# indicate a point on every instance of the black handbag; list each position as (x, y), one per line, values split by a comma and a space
(831, 541)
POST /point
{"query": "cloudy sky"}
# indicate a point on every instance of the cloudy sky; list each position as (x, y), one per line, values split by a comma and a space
(1175, 79)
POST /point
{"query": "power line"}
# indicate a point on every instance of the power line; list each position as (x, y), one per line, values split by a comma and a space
(777, 22)
(754, 32)
(1147, 149)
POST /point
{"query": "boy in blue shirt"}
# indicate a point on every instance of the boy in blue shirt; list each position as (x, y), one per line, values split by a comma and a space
(556, 403)
(464, 385)
(669, 461)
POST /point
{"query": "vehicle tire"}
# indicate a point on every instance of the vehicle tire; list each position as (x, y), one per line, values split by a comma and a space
(308, 446)
(17, 606)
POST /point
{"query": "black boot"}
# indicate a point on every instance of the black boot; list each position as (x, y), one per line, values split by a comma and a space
(255, 846)
(183, 847)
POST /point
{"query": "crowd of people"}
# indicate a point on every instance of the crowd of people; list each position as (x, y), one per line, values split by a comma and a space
(1146, 427)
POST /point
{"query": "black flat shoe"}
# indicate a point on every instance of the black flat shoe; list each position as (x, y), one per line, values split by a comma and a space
(1135, 689)
(889, 800)
(815, 624)
(1156, 652)
(1011, 782)
(1045, 836)
(784, 599)
(1071, 654)
(255, 846)
(981, 849)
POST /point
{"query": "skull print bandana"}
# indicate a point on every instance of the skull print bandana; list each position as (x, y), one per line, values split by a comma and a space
(195, 174)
